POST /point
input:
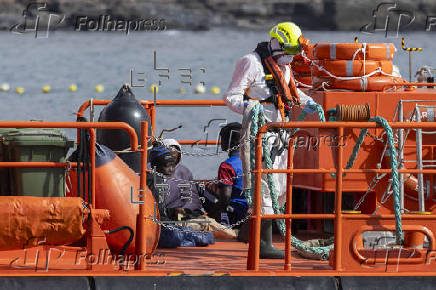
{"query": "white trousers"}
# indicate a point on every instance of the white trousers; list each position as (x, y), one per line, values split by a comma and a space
(279, 179)
(280, 162)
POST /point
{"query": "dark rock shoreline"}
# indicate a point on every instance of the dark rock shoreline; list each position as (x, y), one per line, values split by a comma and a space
(207, 14)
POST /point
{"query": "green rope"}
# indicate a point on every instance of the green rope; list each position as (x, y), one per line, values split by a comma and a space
(394, 169)
(395, 177)
(320, 112)
(258, 120)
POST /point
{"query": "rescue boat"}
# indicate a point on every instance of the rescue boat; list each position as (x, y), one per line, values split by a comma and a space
(365, 176)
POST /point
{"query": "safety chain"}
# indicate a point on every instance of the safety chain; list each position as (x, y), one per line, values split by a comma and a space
(234, 148)
(385, 197)
(190, 153)
(371, 186)
(213, 181)
(173, 227)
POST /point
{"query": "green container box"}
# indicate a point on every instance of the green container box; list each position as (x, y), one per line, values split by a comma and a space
(36, 145)
(4, 171)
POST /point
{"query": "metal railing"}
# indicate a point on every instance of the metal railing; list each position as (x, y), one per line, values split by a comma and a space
(339, 170)
(91, 126)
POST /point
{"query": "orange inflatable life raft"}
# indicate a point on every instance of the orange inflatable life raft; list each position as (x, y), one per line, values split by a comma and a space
(346, 51)
(117, 189)
(350, 68)
(29, 221)
(362, 84)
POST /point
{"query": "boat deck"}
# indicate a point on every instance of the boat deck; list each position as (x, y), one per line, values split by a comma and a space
(224, 256)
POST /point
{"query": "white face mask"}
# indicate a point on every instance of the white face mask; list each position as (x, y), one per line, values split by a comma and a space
(284, 60)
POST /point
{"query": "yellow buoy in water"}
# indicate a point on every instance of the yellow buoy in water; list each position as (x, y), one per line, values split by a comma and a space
(19, 90)
(46, 89)
(5, 87)
(99, 88)
(182, 91)
(152, 88)
(72, 88)
(200, 89)
(215, 90)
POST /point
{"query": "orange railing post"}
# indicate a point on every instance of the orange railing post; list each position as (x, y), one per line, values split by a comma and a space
(92, 176)
(254, 247)
(338, 205)
(289, 177)
(140, 242)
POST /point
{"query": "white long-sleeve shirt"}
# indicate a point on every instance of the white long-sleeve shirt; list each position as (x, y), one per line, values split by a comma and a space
(249, 74)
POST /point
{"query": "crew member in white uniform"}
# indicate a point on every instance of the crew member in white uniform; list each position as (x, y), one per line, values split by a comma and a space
(250, 84)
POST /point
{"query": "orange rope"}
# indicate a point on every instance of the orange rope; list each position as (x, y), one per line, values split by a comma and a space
(355, 113)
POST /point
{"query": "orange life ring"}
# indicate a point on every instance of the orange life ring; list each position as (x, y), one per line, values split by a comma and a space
(364, 84)
(304, 79)
(300, 66)
(350, 68)
(373, 51)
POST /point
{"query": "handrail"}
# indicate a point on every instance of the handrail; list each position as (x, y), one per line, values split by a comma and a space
(410, 84)
(150, 104)
(254, 247)
(76, 125)
(86, 104)
(409, 260)
(91, 126)
(336, 125)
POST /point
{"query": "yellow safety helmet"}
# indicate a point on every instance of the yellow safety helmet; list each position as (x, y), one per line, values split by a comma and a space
(288, 35)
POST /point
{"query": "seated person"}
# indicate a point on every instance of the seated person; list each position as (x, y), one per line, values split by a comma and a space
(231, 196)
(176, 192)
(170, 203)
(163, 163)
(183, 185)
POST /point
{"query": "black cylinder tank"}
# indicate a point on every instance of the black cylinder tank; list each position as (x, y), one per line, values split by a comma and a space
(123, 108)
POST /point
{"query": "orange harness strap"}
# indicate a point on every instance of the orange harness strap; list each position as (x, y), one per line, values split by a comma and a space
(287, 91)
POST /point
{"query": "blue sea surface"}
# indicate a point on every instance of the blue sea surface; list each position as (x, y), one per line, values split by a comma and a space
(107, 58)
